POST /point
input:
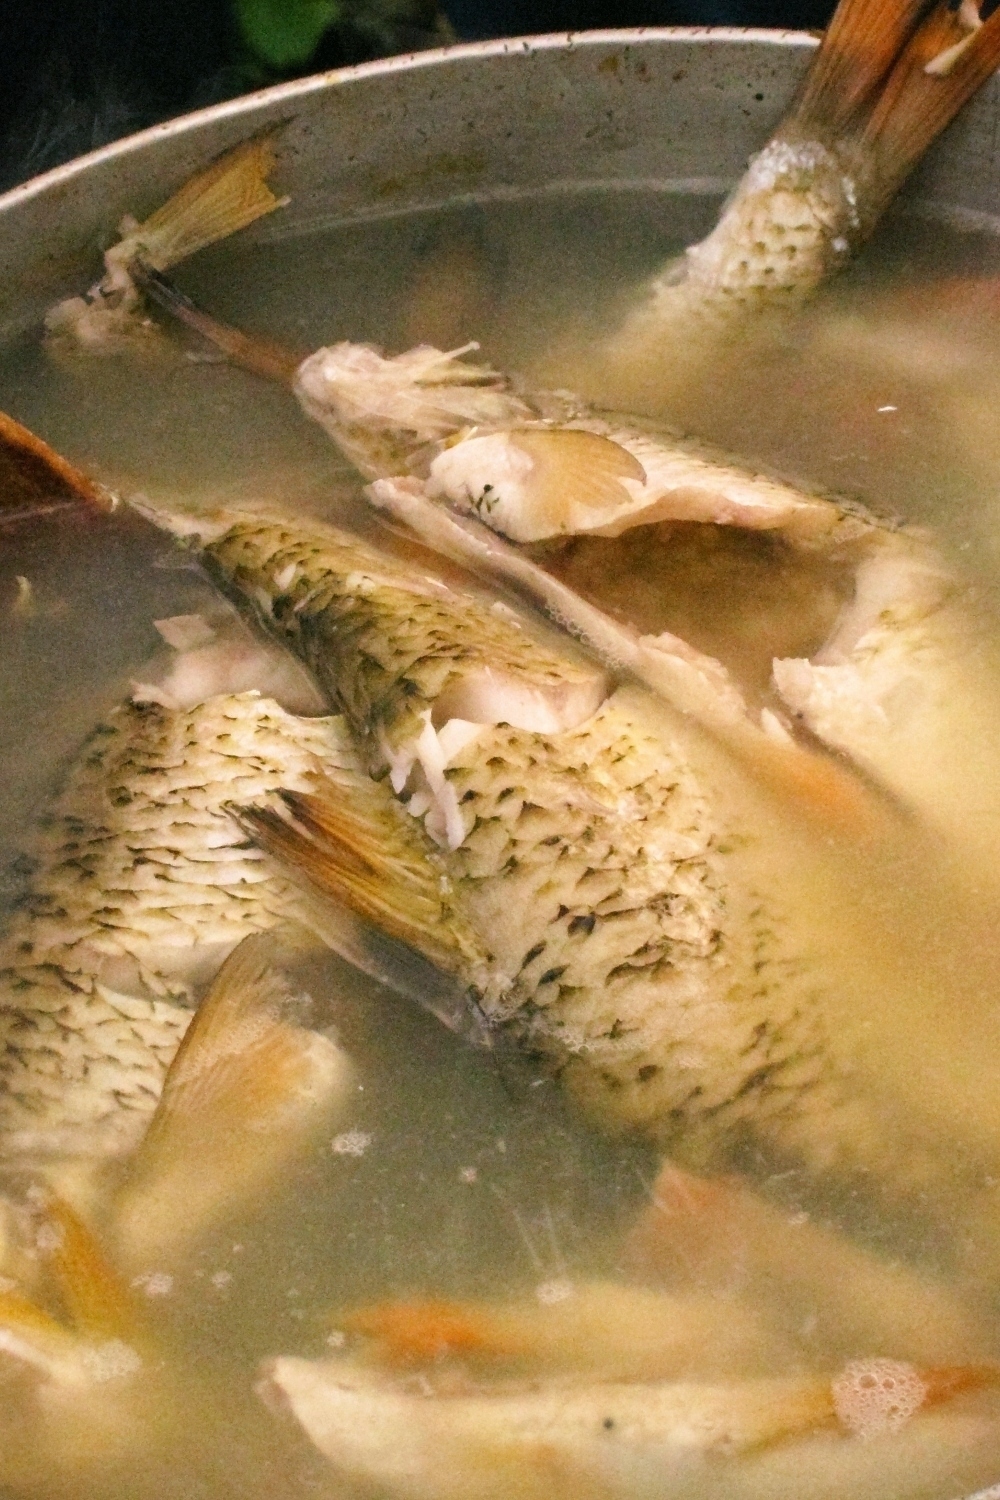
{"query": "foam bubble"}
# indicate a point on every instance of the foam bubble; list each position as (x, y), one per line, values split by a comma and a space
(111, 1361)
(873, 1396)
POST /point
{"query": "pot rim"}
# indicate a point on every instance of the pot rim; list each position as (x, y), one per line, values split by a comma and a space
(405, 62)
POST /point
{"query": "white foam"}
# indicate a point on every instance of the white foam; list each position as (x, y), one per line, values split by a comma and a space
(875, 1396)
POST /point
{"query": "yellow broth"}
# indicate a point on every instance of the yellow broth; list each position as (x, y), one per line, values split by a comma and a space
(470, 1176)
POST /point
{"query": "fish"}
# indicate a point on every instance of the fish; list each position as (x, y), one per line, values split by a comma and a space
(144, 905)
(609, 886)
(886, 79)
(606, 1439)
(433, 429)
(142, 888)
(224, 197)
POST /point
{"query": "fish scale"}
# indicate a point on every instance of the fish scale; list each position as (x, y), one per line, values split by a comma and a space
(590, 862)
(143, 884)
(383, 639)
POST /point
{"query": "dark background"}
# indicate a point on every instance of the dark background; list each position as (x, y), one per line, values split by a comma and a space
(76, 75)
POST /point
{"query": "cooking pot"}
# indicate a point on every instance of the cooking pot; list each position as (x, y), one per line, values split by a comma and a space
(674, 109)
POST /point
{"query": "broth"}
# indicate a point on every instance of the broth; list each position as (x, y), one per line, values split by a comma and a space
(468, 1175)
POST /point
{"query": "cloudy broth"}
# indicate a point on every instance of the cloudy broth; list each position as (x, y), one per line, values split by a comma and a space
(465, 1174)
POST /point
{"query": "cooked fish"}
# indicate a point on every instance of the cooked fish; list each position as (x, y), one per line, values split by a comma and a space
(616, 889)
(580, 1438)
(146, 901)
(887, 77)
(143, 887)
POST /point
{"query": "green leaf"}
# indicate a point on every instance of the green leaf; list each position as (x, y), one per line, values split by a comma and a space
(285, 33)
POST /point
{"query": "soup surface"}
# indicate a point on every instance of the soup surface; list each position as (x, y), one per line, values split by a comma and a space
(464, 1174)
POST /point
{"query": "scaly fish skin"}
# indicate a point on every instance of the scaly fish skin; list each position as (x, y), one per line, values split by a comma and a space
(384, 639)
(143, 885)
(589, 858)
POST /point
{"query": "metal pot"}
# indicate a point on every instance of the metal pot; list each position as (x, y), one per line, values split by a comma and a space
(675, 108)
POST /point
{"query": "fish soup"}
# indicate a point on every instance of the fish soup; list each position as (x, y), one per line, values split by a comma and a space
(458, 1177)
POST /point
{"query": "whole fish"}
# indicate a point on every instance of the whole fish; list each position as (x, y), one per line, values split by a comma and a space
(616, 892)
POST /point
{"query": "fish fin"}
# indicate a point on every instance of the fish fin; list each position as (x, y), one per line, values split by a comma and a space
(260, 356)
(856, 55)
(889, 76)
(416, 1332)
(96, 1299)
(366, 858)
(246, 1090)
(570, 470)
(31, 1339)
(215, 203)
(920, 97)
(719, 1234)
(35, 479)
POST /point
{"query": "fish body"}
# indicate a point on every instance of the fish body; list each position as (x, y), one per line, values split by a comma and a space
(536, 465)
(594, 857)
(417, 1438)
(887, 77)
(143, 885)
(551, 1440)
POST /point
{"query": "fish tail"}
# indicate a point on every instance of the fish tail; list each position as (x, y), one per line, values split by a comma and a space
(855, 57)
(246, 1091)
(228, 195)
(888, 77)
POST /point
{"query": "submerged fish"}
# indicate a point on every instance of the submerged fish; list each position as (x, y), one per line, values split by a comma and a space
(886, 79)
(144, 885)
(440, 433)
(559, 1438)
(145, 901)
(606, 880)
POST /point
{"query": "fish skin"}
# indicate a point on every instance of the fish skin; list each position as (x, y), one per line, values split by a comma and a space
(143, 885)
(592, 862)
(390, 418)
(594, 1439)
(382, 638)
